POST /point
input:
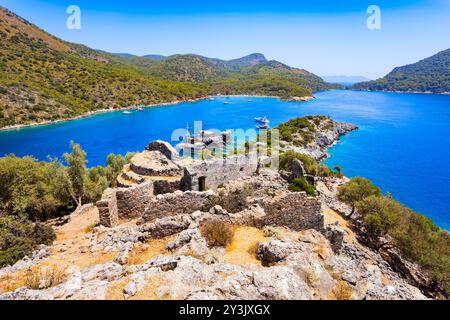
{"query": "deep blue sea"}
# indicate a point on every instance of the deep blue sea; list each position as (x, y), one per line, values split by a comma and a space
(403, 144)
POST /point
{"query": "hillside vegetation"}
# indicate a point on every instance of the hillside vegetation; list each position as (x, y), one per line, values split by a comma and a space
(43, 78)
(428, 75)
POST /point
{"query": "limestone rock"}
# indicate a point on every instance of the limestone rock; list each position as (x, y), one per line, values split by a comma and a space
(279, 283)
(275, 251)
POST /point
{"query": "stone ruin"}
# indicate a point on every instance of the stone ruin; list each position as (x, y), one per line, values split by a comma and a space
(158, 184)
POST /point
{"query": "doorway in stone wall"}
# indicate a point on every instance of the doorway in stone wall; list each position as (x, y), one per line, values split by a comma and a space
(202, 184)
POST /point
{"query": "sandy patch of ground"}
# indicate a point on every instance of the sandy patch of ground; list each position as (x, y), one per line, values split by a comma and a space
(242, 250)
(143, 252)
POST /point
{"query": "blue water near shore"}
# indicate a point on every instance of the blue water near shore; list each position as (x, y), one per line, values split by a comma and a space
(403, 144)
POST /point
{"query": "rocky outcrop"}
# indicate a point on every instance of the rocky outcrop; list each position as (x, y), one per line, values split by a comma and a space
(327, 134)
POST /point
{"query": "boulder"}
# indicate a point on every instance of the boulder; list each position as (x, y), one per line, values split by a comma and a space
(275, 251)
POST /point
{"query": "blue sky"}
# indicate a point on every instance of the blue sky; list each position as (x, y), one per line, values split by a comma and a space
(324, 37)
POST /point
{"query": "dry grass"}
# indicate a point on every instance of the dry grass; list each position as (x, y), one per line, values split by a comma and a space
(271, 232)
(217, 233)
(44, 278)
(253, 249)
(11, 282)
(242, 249)
(310, 276)
(90, 228)
(142, 253)
(341, 292)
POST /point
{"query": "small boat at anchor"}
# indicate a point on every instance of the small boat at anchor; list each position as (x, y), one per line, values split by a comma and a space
(262, 120)
(126, 112)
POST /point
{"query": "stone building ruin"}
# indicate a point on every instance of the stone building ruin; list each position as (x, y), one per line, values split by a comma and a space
(157, 183)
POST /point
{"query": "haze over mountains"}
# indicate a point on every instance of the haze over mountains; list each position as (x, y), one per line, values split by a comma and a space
(345, 80)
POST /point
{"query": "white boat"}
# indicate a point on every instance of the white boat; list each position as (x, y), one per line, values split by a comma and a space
(263, 120)
(226, 102)
(126, 112)
(263, 127)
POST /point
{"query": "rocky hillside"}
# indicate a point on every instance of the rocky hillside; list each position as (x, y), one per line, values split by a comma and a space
(174, 257)
(251, 238)
(431, 75)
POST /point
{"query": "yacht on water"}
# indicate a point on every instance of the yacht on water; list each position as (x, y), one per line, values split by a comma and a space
(127, 112)
(262, 120)
(263, 126)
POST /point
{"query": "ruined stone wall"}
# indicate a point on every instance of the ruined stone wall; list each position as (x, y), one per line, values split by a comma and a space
(219, 171)
(294, 210)
(131, 202)
(107, 209)
(177, 203)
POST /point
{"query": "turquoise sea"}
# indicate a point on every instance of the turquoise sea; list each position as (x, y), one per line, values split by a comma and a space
(403, 144)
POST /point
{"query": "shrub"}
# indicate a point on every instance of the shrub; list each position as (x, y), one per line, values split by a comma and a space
(381, 215)
(217, 233)
(19, 237)
(301, 185)
(341, 292)
(356, 190)
(309, 163)
(35, 189)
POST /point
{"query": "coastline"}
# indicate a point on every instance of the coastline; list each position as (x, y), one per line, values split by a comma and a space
(155, 105)
(411, 92)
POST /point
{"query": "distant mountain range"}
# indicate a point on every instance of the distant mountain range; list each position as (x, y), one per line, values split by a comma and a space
(344, 80)
(431, 75)
(43, 78)
(222, 75)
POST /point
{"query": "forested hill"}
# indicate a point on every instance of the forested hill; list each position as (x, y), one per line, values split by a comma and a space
(429, 75)
(233, 76)
(43, 78)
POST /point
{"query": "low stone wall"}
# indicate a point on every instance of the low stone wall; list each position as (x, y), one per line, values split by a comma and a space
(219, 171)
(131, 202)
(107, 209)
(177, 203)
(294, 210)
